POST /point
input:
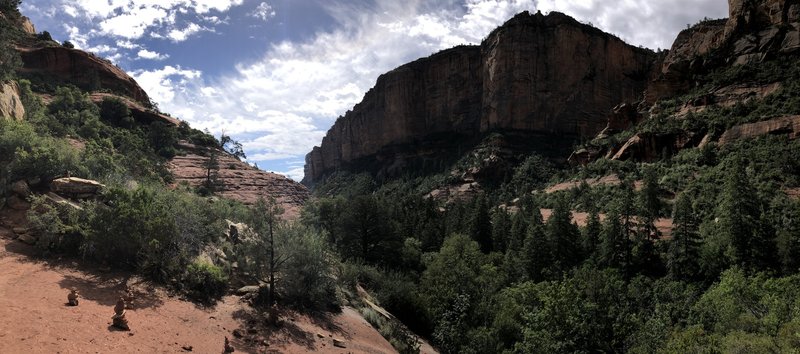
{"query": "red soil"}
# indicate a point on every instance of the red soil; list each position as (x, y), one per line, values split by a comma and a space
(35, 318)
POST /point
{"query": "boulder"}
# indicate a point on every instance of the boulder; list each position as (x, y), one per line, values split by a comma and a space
(339, 343)
(20, 230)
(28, 238)
(250, 289)
(17, 203)
(76, 187)
(21, 189)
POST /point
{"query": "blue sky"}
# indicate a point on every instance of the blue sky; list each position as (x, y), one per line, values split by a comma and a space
(276, 74)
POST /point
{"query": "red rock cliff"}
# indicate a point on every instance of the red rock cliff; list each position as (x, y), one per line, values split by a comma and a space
(82, 69)
(535, 74)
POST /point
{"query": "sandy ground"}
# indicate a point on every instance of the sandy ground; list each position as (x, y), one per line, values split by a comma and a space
(35, 318)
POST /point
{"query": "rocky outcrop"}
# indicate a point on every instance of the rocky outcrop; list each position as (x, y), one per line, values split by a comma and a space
(138, 111)
(240, 181)
(649, 147)
(10, 104)
(541, 76)
(754, 31)
(81, 69)
(789, 126)
(76, 188)
(26, 25)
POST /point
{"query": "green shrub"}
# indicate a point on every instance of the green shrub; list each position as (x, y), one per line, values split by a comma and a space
(205, 281)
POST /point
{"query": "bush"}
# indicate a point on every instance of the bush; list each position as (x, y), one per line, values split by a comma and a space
(306, 279)
(205, 281)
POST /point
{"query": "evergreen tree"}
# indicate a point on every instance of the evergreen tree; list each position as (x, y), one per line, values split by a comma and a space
(591, 235)
(501, 230)
(513, 263)
(265, 219)
(684, 254)
(211, 165)
(563, 237)
(749, 240)
(789, 240)
(480, 228)
(536, 253)
(615, 249)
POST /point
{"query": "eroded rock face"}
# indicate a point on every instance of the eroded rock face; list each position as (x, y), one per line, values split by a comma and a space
(789, 125)
(540, 75)
(78, 188)
(81, 68)
(755, 30)
(240, 181)
(10, 104)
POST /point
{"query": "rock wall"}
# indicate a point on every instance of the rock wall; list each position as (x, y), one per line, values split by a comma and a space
(537, 75)
(754, 31)
(240, 181)
(82, 69)
(10, 104)
(551, 74)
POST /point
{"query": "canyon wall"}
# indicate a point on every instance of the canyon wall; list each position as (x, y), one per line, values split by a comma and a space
(538, 76)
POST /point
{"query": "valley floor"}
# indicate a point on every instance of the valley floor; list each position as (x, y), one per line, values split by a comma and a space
(35, 318)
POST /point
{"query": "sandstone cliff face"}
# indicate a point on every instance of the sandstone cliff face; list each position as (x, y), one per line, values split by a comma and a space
(10, 105)
(439, 94)
(536, 75)
(240, 181)
(551, 74)
(755, 30)
(81, 69)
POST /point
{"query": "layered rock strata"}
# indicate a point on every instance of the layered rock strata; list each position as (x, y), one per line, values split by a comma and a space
(539, 76)
(239, 181)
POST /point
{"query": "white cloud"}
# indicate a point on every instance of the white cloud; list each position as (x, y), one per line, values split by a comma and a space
(151, 55)
(161, 85)
(132, 19)
(181, 35)
(264, 12)
(133, 23)
(127, 44)
(653, 24)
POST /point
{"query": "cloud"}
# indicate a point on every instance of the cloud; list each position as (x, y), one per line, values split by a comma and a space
(264, 12)
(131, 20)
(161, 84)
(147, 54)
(181, 35)
(653, 24)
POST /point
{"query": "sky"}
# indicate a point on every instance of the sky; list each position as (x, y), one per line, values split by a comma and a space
(276, 74)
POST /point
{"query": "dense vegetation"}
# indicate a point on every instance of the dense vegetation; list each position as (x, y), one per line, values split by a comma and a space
(170, 235)
(478, 276)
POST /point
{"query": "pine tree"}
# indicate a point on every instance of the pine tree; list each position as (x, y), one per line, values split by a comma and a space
(591, 235)
(211, 165)
(788, 239)
(615, 249)
(563, 237)
(501, 230)
(536, 254)
(684, 252)
(741, 224)
(646, 234)
(513, 263)
(480, 227)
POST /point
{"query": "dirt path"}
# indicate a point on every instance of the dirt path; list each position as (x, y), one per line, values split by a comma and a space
(35, 318)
